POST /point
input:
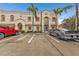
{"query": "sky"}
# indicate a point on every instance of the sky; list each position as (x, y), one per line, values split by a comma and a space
(22, 7)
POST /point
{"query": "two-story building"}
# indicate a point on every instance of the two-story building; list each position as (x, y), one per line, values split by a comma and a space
(26, 21)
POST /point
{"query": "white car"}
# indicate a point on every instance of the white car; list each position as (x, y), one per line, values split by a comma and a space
(65, 34)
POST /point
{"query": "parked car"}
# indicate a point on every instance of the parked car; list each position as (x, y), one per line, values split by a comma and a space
(5, 31)
(65, 34)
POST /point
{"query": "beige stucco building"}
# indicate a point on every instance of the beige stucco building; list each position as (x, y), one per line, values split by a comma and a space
(24, 21)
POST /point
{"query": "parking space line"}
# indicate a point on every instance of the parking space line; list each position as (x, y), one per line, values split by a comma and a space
(21, 38)
(54, 39)
(31, 39)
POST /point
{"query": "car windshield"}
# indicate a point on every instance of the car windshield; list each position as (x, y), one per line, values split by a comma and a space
(64, 29)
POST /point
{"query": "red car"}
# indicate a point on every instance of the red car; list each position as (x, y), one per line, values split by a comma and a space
(4, 31)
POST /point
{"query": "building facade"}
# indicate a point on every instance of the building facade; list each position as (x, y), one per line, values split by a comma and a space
(26, 21)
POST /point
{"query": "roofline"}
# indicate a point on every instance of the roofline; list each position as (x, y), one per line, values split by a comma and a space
(24, 12)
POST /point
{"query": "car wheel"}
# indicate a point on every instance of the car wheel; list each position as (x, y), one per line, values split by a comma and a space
(2, 35)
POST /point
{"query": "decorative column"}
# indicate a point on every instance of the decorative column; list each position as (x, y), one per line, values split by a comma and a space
(49, 23)
(43, 24)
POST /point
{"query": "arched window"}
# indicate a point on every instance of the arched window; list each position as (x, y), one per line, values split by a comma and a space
(37, 28)
(29, 27)
(53, 19)
(29, 19)
(46, 21)
(12, 17)
(37, 19)
(2, 17)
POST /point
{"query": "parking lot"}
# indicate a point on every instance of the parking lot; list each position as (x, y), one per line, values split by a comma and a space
(37, 44)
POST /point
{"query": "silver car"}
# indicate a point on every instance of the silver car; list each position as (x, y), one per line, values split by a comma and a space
(65, 34)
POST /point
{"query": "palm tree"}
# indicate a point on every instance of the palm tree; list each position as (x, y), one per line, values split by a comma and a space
(69, 23)
(59, 11)
(76, 20)
(34, 10)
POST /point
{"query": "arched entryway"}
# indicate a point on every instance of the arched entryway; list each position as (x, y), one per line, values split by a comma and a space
(20, 26)
(46, 23)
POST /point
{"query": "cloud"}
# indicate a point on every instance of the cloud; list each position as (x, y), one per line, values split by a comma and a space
(60, 21)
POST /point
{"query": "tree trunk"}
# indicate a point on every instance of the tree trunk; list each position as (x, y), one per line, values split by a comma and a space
(33, 24)
(35, 16)
(56, 22)
(76, 20)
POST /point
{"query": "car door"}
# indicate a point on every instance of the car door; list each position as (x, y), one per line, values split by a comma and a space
(9, 31)
(58, 32)
(55, 32)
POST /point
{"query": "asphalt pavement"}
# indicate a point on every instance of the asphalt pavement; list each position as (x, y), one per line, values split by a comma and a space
(37, 44)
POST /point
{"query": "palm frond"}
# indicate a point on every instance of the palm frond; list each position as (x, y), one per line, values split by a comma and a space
(57, 11)
(66, 8)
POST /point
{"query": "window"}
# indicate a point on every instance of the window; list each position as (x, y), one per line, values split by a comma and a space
(37, 19)
(53, 19)
(29, 27)
(37, 28)
(29, 19)
(52, 27)
(2, 17)
(46, 13)
(12, 18)
(20, 16)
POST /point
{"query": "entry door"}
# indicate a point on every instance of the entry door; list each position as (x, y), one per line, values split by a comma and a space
(46, 24)
(46, 28)
(20, 26)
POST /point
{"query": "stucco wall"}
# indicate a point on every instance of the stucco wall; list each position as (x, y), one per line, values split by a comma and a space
(23, 18)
